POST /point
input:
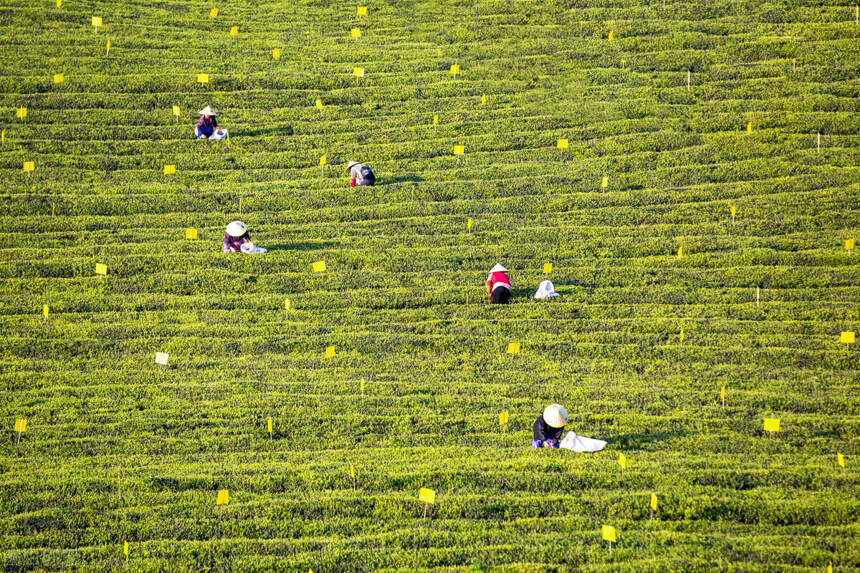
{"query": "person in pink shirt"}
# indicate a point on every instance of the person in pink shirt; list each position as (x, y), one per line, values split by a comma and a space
(498, 285)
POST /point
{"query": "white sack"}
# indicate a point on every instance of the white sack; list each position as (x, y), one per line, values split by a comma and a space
(219, 134)
(581, 444)
(250, 248)
(545, 290)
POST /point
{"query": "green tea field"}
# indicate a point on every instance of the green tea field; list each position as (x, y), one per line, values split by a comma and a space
(687, 174)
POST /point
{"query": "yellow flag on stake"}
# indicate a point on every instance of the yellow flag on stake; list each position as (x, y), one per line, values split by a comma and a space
(361, 11)
(503, 418)
(352, 471)
(329, 351)
(286, 304)
(611, 35)
(840, 460)
(190, 233)
(176, 110)
(58, 78)
(847, 337)
(455, 69)
(223, 497)
(213, 12)
(29, 166)
(21, 112)
(356, 33)
(458, 150)
(319, 104)
(681, 251)
(733, 211)
(547, 268)
(681, 337)
(469, 224)
(483, 99)
(269, 425)
(45, 310)
(20, 425)
(427, 495)
(622, 461)
(771, 424)
(322, 160)
(561, 144)
(97, 21)
(604, 183)
(203, 78)
(161, 358)
(101, 269)
(435, 120)
(654, 502)
(276, 54)
(125, 548)
(358, 72)
(59, 3)
(319, 266)
(749, 127)
(362, 385)
(722, 392)
(169, 169)
(234, 31)
(849, 243)
(513, 347)
(607, 533)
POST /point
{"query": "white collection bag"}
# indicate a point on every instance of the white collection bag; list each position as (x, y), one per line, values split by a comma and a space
(545, 290)
(581, 444)
(219, 134)
(250, 248)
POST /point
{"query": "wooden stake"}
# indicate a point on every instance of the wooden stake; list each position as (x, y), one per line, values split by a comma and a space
(426, 505)
(53, 208)
(757, 293)
(652, 513)
(819, 142)
(688, 80)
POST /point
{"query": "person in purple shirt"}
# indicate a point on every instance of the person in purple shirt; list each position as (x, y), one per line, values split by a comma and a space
(207, 124)
(236, 235)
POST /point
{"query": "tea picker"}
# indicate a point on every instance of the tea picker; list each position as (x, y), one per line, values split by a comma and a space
(498, 285)
(238, 240)
(360, 174)
(547, 429)
(207, 127)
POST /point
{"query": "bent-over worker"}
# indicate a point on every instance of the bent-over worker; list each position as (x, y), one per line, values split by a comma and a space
(547, 429)
(498, 285)
(207, 127)
(360, 174)
(236, 235)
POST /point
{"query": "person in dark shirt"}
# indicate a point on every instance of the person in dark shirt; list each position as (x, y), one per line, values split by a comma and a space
(207, 124)
(547, 429)
(236, 235)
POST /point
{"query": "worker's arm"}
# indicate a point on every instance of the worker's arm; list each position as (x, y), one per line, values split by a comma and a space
(489, 287)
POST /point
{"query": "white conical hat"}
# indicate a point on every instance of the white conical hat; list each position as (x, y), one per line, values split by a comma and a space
(351, 164)
(207, 111)
(236, 229)
(498, 269)
(555, 415)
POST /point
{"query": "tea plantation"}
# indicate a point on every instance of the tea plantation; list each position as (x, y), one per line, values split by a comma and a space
(699, 224)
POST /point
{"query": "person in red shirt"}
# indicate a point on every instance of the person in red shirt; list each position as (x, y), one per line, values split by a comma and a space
(498, 285)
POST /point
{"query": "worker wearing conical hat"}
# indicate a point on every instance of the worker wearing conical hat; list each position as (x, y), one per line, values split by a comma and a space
(236, 235)
(207, 124)
(360, 174)
(498, 285)
(547, 429)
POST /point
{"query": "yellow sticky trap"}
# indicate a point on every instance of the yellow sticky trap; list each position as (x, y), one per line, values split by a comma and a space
(108, 45)
(161, 358)
(561, 144)
(286, 304)
(223, 497)
(276, 54)
(20, 425)
(101, 269)
(849, 244)
(547, 268)
(840, 460)
(29, 166)
(125, 548)
(176, 110)
(847, 337)
(45, 310)
(607, 533)
(322, 160)
(358, 72)
(681, 337)
(611, 35)
(58, 78)
(59, 3)
(605, 182)
(213, 13)
(352, 471)
(455, 69)
(513, 347)
(469, 224)
(203, 78)
(329, 351)
(503, 418)
(234, 31)
(458, 150)
(97, 21)
(356, 33)
(771, 424)
(733, 211)
(483, 99)
(680, 251)
(722, 392)
(319, 266)
(361, 11)
(169, 169)
(269, 425)
(622, 461)
(362, 385)
(654, 502)
(319, 104)
(21, 112)
(427, 495)
(435, 120)
(749, 127)
(190, 233)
